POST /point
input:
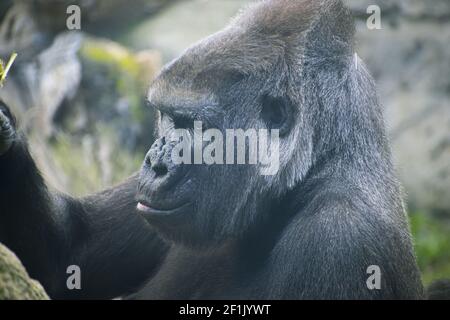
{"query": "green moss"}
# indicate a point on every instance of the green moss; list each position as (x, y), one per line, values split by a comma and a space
(15, 284)
(432, 244)
(111, 54)
(4, 69)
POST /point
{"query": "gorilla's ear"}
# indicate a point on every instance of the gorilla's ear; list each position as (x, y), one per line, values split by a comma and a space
(277, 113)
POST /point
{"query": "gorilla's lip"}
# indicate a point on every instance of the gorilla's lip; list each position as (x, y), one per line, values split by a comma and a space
(146, 208)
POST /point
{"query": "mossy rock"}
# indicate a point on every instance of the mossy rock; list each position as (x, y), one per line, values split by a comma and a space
(15, 284)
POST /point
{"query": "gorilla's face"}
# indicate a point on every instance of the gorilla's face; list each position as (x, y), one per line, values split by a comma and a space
(197, 201)
(235, 79)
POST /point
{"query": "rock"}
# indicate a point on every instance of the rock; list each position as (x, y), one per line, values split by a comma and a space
(15, 284)
(434, 10)
(57, 77)
(45, 18)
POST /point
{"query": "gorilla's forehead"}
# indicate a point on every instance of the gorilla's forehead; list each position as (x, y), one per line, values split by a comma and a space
(258, 38)
(280, 17)
(179, 99)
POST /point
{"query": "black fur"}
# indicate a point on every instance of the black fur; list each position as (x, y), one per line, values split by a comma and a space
(310, 231)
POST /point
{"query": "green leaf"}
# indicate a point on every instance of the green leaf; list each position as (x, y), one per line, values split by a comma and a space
(4, 70)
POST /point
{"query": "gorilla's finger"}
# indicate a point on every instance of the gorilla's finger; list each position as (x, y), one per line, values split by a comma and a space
(7, 132)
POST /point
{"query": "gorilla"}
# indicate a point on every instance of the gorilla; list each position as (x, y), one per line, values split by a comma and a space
(176, 231)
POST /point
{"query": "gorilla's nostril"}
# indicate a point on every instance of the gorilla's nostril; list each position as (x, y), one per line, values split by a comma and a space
(160, 169)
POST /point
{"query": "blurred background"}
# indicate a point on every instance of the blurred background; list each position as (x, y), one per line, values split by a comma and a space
(80, 95)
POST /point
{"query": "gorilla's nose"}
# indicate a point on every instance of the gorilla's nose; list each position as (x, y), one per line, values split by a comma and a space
(159, 168)
(157, 158)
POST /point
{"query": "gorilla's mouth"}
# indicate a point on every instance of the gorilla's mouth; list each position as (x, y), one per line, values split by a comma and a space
(145, 207)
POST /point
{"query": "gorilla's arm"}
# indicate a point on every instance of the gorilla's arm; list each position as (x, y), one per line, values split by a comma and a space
(102, 234)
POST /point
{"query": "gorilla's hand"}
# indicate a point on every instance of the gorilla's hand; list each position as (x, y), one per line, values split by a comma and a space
(7, 129)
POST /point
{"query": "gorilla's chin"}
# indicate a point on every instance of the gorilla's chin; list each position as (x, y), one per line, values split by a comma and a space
(173, 224)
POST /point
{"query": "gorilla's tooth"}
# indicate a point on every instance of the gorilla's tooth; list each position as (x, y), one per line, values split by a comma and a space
(142, 207)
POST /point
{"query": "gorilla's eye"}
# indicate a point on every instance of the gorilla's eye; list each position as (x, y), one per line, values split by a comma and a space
(181, 122)
(276, 113)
